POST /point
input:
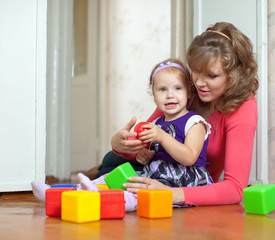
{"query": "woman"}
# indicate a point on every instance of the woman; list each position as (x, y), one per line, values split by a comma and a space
(224, 73)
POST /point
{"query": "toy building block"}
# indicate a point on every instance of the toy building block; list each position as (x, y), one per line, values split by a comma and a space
(53, 201)
(155, 203)
(259, 198)
(120, 175)
(102, 186)
(64, 186)
(112, 204)
(80, 206)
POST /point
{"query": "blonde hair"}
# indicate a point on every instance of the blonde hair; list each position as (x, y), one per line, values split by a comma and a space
(185, 75)
(237, 58)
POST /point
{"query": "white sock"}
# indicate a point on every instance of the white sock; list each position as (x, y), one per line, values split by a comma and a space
(39, 190)
(130, 201)
(100, 180)
(86, 183)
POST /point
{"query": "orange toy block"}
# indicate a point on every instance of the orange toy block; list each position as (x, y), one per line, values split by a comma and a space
(155, 203)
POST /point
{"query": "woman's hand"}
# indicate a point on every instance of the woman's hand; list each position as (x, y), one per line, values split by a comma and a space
(144, 156)
(138, 183)
(121, 142)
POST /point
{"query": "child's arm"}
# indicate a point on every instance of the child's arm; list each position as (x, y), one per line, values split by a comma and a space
(187, 153)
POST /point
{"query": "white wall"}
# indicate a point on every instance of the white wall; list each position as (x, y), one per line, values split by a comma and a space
(22, 92)
(139, 35)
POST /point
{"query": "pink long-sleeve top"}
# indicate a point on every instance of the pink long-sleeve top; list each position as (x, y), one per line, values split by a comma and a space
(230, 150)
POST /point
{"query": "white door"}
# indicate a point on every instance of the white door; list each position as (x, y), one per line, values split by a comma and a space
(250, 17)
(85, 107)
(23, 93)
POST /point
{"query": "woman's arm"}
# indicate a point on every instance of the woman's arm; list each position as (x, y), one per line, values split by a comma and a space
(238, 137)
(237, 140)
(156, 114)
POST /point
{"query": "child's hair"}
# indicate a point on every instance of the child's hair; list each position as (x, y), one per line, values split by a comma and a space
(225, 42)
(171, 65)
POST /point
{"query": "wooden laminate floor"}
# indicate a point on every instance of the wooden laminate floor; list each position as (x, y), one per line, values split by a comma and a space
(26, 219)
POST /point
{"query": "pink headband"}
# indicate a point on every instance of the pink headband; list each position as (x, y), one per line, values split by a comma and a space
(166, 65)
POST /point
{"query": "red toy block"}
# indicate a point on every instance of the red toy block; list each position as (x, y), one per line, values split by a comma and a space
(112, 204)
(53, 201)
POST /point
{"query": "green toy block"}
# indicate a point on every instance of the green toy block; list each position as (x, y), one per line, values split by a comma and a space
(259, 198)
(120, 175)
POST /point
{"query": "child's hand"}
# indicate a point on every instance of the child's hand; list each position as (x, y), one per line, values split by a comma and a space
(153, 134)
(144, 156)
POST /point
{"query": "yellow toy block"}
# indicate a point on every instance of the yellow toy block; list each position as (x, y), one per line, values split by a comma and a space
(102, 186)
(155, 203)
(80, 206)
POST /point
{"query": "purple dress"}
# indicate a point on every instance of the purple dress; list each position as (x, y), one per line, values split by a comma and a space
(168, 171)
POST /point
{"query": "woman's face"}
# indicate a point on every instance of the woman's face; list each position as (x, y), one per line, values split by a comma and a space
(210, 85)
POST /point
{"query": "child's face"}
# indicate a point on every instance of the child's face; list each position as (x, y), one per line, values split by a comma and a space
(171, 93)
